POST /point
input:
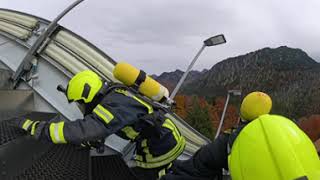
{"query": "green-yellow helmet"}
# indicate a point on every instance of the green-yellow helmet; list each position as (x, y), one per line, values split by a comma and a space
(254, 105)
(84, 86)
(273, 147)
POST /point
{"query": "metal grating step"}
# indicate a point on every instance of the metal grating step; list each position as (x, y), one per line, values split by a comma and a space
(110, 168)
(61, 162)
(23, 158)
(9, 133)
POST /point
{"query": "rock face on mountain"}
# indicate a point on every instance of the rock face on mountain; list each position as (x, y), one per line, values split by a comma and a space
(289, 75)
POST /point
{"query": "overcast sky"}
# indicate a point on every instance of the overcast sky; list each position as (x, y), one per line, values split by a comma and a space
(164, 35)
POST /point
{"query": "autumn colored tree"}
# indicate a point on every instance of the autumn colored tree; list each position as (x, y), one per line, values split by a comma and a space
(181, 106)
(311, 126)
(198, 118)
(231, 117)
(196, 111)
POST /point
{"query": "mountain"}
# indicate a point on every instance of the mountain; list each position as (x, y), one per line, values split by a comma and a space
(171, 79)
(288, 75)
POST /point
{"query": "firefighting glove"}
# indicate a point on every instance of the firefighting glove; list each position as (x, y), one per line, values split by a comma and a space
(98, 145)
(25, 124)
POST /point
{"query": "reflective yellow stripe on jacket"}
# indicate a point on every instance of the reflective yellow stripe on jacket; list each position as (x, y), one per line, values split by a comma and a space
(103, 113)
(128, 130)
(56, 133)
(127, 93)
(150, 109)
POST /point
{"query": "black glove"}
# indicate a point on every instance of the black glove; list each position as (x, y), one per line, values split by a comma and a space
(98, 145)
(25, 124)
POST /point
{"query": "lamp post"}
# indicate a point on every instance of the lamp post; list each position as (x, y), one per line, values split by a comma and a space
(213, 41)
(234, 93)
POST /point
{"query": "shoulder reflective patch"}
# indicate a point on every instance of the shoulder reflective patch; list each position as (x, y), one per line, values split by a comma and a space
(127, 93)
(150, 109)
(103, 113)
(56, 133)
(27, 124)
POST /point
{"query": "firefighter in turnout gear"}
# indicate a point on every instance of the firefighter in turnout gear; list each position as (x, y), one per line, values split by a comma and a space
(268, 147)
(207, 163)
(114, 109)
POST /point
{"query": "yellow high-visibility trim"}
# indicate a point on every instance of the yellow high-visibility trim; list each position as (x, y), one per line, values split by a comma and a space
(33, 128)
(122, 91)
(51, 130)
(26, 124)
(149, 165)
(103, 113)
(130, 132)
(171, 153)
(60, 132)
(126, 93)
(138, 158)
(162, 172)
(144, 143)
(146, 150)
(168, 121)
(153, 162)
(169, 125)
(150, 109)
(56, 133)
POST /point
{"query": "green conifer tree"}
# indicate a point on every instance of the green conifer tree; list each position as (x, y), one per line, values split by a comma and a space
(198, 118)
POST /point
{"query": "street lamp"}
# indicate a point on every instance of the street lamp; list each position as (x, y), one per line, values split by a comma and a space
(234, 93)
(213, 41)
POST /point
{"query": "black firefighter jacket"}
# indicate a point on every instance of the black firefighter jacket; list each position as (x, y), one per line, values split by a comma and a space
(158, 140)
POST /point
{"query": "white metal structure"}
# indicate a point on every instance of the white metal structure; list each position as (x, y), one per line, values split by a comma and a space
(63, 54)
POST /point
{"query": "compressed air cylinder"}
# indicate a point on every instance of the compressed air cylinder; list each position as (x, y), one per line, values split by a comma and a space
(147, 86)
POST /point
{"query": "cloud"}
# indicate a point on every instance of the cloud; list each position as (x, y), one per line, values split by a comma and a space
(165, 35)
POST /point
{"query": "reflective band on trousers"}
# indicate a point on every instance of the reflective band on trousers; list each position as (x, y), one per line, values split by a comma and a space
(56, 133)
(103, 113)
(27, 124)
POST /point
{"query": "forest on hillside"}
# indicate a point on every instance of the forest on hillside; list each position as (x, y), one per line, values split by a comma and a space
(287, 74)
